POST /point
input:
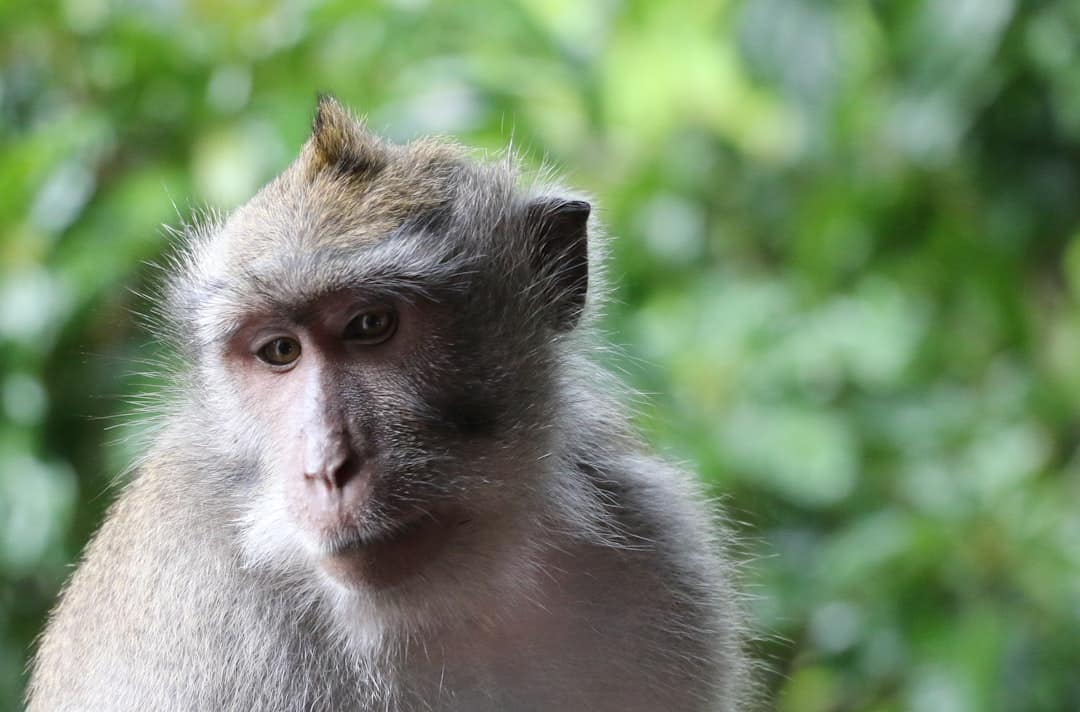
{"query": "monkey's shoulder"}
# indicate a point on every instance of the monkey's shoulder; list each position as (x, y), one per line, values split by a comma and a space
(145, 618)
(663, 585)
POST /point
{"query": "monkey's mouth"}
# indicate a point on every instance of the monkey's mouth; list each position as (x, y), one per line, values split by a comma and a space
(389, 557)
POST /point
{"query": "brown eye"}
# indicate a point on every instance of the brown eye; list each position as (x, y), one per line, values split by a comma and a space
(280, 352)
(372, 327)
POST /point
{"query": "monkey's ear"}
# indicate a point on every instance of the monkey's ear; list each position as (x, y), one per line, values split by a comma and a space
(339, 141)
(561, 255)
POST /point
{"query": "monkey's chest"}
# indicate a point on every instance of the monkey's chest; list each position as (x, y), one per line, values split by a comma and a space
(538, 663)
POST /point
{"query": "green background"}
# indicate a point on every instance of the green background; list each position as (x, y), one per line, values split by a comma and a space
(847, 269)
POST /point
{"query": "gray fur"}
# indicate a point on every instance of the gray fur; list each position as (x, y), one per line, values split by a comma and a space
(593, 577)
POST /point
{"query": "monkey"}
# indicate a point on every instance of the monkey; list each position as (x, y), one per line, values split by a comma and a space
(389, 473)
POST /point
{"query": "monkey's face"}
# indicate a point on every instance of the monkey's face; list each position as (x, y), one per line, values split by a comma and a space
(391, 432)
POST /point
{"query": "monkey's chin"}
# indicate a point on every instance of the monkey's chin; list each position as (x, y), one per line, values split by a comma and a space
(391, 559)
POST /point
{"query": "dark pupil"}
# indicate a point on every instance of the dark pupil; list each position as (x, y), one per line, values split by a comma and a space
(372, 322)
(283, 348)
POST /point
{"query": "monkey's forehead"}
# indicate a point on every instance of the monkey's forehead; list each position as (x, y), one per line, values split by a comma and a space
(419, 225)
(409, 265)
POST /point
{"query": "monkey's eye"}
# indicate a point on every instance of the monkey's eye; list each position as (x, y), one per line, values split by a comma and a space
(281, 351)
(372, 327)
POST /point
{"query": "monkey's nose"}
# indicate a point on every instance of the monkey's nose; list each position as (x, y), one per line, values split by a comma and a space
(335, 484)
(329, 459)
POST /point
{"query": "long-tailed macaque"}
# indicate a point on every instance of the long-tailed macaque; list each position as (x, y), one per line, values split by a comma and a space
(389, 475)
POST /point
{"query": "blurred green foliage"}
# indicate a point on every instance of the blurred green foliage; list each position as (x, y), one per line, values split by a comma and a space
(847, 268)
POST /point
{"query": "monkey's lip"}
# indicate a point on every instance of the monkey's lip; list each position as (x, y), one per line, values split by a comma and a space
(388, 558)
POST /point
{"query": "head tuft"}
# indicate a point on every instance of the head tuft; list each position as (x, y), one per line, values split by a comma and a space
(341, 144)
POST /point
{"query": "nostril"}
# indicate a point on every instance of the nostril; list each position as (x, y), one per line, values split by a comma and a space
(345, 470)
(334, 472)
(318, 475)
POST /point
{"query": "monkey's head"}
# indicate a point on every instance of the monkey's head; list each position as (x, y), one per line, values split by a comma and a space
(377, 343)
